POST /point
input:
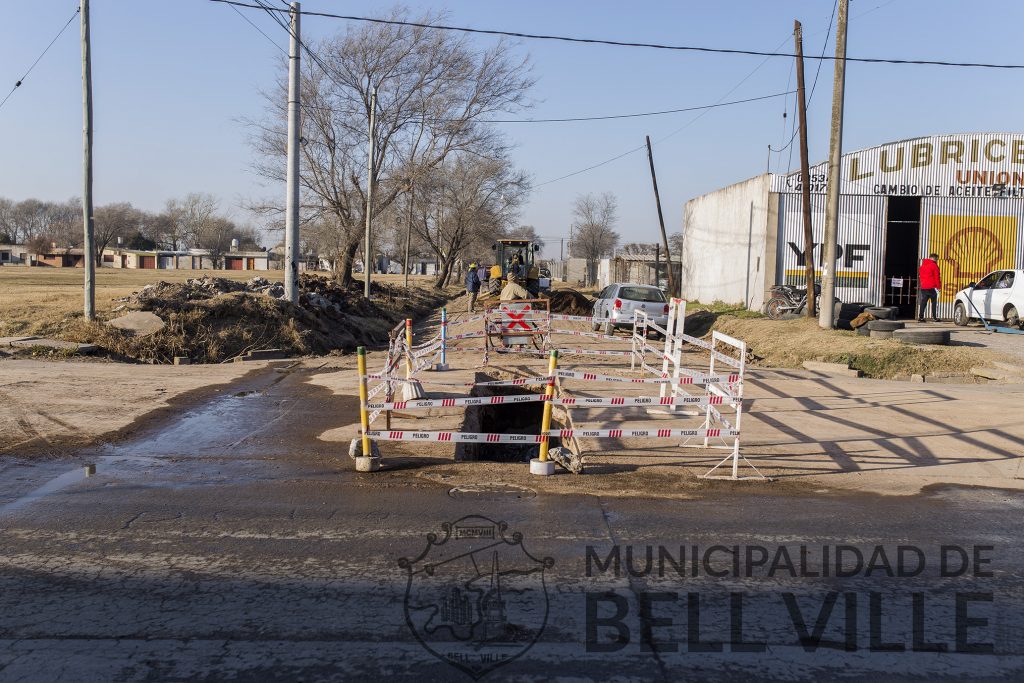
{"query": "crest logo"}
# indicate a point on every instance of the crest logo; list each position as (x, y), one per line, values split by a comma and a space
(475, 597)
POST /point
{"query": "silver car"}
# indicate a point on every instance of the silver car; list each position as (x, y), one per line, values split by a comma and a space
(618, 301)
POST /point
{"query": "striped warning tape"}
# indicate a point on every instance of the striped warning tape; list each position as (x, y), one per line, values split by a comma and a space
(594, 335)
(464, 335)
(696, 342)
(641, 401)
(662, 378)
(578, 318)
(641, 433)
(477, 437)
(500, 382)
(583, 402)
(453, 402)
(465, 321)
(474, 437)
(728, 360)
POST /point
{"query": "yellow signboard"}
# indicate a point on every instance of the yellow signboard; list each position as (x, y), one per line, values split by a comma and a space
(970, 247)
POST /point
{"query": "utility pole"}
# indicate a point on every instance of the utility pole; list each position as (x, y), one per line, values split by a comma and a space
(408, 233)
(291, 225)
(805, 172)
(835, 154)
(661, 220)
(89, 242)
(368, 252)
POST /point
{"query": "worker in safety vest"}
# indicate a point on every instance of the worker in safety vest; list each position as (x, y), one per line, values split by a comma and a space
(513, 290)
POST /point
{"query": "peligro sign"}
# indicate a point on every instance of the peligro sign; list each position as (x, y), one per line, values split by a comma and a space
(966, 165)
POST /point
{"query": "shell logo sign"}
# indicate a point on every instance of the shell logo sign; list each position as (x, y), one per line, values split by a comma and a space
(970, 247)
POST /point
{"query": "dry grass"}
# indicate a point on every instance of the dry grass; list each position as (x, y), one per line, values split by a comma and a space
(788, 343)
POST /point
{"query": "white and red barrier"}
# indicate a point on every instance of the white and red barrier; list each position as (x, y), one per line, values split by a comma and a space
(716, 390)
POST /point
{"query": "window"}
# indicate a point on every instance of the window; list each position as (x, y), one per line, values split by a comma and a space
(989, 280)
(645, 294)
(1006, 281)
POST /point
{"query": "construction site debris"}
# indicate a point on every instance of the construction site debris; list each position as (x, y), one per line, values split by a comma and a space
(570, 302)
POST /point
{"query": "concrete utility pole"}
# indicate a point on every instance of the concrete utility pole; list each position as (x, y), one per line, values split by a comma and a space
(805, 172)
(661, 220)
(291, 225)
(89, 241)
(368, 252)
(408, 233)
(835, 154)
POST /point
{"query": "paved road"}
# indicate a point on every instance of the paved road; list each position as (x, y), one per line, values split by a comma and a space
(229, 544)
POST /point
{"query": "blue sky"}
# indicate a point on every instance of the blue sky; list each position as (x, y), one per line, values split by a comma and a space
(173, 78)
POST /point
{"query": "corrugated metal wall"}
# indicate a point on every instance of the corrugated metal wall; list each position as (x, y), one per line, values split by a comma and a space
(861, 242)
(972, 238)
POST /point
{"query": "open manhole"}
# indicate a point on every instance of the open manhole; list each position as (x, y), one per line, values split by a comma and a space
(491, 491)
(507, 418)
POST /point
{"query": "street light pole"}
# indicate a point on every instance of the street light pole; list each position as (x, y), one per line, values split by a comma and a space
(291, 227)
(88, 242)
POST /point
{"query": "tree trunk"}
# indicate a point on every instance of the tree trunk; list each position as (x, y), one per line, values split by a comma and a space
(343, 264)
(442, 277)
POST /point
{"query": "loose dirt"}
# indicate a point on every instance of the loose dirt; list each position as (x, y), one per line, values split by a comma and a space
(213, 319)
(570, 302)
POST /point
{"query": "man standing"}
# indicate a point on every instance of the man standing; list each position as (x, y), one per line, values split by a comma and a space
(472, 286)
(929, 284)
(513, 290)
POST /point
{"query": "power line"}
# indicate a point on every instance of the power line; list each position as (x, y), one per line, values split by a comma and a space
(619, 43)
(662, 139)
(21, 80)
(250, 22)
(648, 113)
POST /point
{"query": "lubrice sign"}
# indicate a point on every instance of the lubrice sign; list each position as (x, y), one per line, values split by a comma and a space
(965, 165)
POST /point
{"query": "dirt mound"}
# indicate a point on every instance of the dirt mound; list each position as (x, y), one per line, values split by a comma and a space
(570, 302)
(212, 319)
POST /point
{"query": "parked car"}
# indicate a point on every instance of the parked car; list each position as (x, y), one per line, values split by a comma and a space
(999, 297)
(618, 301)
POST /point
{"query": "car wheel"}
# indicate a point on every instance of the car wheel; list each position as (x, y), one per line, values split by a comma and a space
(1012, 317)
(960, 316)
(594, 325)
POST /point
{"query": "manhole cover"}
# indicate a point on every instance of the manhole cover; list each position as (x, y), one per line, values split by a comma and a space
(491, 491)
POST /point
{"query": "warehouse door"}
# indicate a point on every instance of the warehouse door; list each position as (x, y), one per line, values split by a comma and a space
(902, 240)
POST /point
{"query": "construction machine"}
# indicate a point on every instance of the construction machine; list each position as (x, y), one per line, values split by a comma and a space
(517, 256)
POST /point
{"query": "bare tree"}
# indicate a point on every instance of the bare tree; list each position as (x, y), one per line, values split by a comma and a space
(595, 237)
(186, 219)
(433, 92)
(465, 205)
(112, 221)
(640, 248)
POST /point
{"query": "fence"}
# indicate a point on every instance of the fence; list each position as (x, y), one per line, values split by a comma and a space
(719, 404)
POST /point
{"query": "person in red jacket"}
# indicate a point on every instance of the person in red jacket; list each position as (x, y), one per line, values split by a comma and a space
(929, 284)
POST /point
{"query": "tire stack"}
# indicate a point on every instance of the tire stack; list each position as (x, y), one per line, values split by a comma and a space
(883, 329)
(844, 313)
(883, 312)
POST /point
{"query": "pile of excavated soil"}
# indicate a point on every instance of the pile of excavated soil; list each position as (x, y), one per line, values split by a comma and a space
(570, 302)
(211, 320)
(788, 343)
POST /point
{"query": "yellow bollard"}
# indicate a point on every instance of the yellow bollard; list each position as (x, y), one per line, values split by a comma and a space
(364, 418)
(408, 348)
(549, 392)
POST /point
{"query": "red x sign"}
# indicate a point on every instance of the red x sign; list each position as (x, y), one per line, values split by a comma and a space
(516, 319)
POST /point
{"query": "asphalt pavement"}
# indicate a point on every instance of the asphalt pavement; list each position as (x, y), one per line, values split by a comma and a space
(231, 544)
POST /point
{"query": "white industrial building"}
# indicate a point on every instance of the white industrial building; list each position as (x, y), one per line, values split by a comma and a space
(959, 196)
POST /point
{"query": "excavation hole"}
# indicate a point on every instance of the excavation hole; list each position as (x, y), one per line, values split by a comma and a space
(507, 418)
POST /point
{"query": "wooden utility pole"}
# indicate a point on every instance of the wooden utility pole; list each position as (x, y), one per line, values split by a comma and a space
(291, 225)
(835, 155)
(673, 291)
(805, 172)
(89, 241)
(368, 252)
(408, 233)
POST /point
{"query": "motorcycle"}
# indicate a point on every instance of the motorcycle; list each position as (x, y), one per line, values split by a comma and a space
(788, 299)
